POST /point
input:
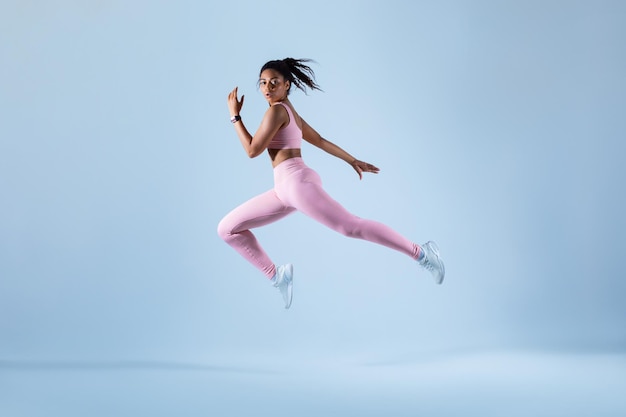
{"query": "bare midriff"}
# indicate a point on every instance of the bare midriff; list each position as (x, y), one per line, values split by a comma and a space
(279, 155)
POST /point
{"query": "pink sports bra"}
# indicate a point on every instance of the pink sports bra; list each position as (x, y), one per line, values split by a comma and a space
(289, 137)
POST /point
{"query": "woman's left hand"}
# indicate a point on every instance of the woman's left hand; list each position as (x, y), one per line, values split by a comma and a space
(360, 167)
(234, 105)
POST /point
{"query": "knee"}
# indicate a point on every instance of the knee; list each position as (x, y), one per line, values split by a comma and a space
(350, 229)
(223, 230)
(352, 232)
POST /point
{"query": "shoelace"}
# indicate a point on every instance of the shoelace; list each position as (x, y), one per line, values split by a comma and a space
(282, 282)
(427, 265)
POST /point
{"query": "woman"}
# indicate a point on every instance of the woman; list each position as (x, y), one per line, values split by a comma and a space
(296, 186)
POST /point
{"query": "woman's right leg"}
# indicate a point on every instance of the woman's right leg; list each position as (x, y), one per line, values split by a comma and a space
(304, 192)
(235, 227)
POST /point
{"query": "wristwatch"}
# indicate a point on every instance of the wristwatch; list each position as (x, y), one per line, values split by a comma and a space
(235, 119)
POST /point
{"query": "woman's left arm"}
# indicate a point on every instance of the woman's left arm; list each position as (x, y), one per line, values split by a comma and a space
(310, 135)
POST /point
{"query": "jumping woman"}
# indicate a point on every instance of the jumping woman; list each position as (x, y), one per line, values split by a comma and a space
(296, 186)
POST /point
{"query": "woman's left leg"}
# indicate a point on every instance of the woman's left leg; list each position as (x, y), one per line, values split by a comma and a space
(235, 227)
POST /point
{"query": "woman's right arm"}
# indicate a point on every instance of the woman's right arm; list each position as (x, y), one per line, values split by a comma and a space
(273, 120)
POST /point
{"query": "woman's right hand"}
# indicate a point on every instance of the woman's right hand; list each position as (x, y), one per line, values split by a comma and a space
(234, 104)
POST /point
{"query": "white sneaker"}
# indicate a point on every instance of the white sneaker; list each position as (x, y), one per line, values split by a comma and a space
(283, 280)
(432, 261)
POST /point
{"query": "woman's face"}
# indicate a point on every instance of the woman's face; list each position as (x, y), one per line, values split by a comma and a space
(273, 86)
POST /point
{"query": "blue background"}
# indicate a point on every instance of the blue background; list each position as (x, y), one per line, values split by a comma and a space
(498, 128)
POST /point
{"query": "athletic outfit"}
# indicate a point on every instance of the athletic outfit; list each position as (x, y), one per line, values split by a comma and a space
(298, 187)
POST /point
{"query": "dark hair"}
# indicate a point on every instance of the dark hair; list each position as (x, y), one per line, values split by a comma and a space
(294, 70)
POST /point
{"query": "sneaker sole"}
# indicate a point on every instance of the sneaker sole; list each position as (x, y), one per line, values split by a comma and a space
(435, 249)
(289, 286)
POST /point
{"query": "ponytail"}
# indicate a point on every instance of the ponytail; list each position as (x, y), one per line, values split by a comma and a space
(296, 71)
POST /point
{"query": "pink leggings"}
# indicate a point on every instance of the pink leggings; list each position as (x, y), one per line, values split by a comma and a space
(298, 187)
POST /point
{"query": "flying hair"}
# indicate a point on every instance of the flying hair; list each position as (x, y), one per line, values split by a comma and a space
(296, 71)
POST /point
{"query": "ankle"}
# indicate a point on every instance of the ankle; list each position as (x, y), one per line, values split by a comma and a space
(420, 254)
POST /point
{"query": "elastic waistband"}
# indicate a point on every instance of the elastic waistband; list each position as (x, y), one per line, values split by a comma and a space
(289, 164)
